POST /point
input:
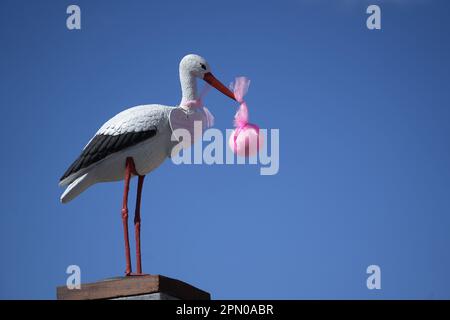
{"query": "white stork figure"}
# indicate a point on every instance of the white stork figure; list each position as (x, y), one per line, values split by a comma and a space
(138, 140)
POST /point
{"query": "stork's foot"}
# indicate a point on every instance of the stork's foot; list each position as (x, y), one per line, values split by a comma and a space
(135, 274)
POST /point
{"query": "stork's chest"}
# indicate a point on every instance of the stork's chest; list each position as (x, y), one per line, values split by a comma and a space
(189, 122)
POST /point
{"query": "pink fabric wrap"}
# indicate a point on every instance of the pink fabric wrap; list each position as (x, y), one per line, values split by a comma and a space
(245, 140)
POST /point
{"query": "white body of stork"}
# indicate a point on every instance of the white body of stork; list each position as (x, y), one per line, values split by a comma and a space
(142, 133)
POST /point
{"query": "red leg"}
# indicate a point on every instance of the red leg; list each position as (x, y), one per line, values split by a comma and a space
(137, 224)
(128, 170)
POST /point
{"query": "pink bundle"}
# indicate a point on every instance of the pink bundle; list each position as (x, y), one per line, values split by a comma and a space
(245, 140)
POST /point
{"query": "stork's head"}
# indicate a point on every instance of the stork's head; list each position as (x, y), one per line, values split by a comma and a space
(198, 67)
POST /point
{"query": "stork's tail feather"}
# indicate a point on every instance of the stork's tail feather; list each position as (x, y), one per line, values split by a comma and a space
(75, 188)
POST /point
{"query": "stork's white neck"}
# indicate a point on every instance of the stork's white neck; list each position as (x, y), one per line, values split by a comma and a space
(188, 87)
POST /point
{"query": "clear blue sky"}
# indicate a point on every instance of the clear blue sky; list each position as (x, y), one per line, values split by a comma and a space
(364, 121)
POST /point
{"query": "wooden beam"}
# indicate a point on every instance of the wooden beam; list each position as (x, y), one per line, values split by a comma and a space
(132, 286)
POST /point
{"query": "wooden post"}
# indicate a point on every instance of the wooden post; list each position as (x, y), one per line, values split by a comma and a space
(148, 287)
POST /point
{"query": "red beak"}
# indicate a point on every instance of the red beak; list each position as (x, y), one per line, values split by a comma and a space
(209, 78)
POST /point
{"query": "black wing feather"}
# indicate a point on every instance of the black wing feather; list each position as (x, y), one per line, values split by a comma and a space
(103, 145)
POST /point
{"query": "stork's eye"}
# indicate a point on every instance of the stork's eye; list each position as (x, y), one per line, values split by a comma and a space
(203, 66)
